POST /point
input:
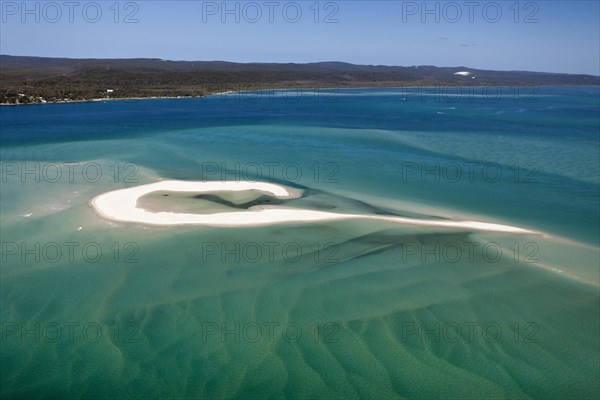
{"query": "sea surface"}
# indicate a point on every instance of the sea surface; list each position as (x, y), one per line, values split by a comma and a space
(92, 308)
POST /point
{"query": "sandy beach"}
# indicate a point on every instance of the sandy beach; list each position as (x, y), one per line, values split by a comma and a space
(121, 205)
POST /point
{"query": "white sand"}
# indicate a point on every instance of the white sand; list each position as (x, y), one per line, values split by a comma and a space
(121, 205)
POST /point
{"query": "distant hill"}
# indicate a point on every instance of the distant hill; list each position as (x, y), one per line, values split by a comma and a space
(40, 79)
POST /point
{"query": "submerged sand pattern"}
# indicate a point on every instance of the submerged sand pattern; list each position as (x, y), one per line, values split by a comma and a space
(122, 205)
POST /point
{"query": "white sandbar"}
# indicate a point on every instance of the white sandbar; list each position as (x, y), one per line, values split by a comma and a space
(121, 205)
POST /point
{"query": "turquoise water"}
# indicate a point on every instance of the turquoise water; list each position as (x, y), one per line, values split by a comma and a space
(354, 309)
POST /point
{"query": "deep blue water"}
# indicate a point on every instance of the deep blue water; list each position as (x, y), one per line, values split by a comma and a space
(550, 112)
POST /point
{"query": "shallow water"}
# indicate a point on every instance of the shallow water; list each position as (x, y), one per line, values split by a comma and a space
(348, 309)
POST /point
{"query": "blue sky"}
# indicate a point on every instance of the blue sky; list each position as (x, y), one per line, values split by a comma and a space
(552, 36)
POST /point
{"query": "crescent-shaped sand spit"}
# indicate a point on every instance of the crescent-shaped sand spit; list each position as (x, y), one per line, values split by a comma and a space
(121, 205)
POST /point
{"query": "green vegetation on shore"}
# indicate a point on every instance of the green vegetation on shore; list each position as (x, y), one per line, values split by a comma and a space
(27, 80)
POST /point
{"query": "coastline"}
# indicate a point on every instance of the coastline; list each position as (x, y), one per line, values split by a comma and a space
(279, 88)
(97, 100)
